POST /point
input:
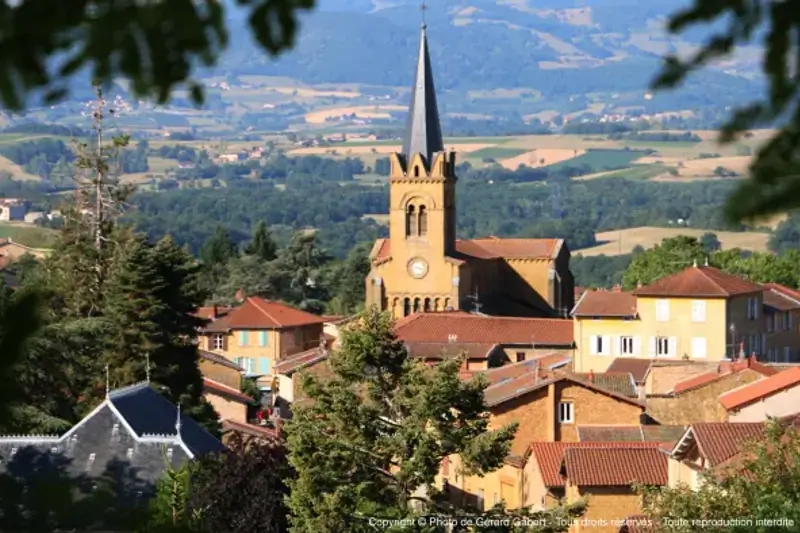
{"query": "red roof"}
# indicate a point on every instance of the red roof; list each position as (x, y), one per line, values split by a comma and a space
(250, 429)
(466, 327)
(550, 455)
(258, 313)
(615, 467)
(301, 360)
(635, 366)
(490, 248)
(724, 369)
(702, 281)
(606, 304)
(783, 290)
(758, 390)
(219, 388)
(719, 441)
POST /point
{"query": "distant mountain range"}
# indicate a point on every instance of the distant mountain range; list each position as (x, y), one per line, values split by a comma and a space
(557, 47)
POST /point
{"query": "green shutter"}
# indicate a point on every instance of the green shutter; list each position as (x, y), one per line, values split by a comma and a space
(263, 365)
(242, 338)
(262, 338)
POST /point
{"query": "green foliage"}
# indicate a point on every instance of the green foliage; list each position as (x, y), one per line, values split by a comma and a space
(262, 245)
(675, 254)
(218, 249)
(180, 36)
(372, 438)
(763, 483)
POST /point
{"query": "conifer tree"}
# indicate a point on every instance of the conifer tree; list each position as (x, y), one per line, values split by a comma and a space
(218, 249)
(263, 246)
(371, 440)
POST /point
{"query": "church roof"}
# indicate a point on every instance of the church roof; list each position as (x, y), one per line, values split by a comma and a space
(490, 248)
(423, 130)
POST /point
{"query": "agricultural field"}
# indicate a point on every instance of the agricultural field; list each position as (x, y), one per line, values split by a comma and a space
(624, 241)
(28, 235)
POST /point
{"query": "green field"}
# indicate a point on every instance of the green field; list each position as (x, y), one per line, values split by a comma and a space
(600, 159)
(638, 172)
(32, 236)
(496, 152)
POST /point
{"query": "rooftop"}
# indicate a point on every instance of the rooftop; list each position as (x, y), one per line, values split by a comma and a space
(637, 367)
(718, 441)
(725, 368)
(614, 467)
(611, 304)
(258, 313)
(758, 390)
(699, 281)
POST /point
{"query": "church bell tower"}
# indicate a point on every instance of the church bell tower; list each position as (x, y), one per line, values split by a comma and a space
(422, 217)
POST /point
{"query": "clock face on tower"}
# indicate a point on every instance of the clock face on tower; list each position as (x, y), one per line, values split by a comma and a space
(417, 268)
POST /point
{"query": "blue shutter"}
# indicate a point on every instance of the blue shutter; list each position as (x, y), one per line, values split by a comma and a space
(262, 338)
(242, 338)
(263, 365)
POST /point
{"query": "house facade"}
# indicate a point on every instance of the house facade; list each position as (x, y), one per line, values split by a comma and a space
(776, 396)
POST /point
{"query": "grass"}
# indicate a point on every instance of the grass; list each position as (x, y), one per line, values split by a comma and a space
(624, 241)
(660, 144)
(601, 159)
(638, 172)
(28, 235)
(497, 152)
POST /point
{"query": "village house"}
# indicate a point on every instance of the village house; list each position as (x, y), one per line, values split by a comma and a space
(697, 399)
(782, 323)
(134, 426)
(699, 313)
(257, 334)
(548, 405)
(290, 372)
(222, 385)
(773, 397)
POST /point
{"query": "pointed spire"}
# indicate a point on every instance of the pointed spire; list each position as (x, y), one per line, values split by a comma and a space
(423, 130)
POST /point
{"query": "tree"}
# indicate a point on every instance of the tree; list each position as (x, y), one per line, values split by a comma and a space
(672, 255)
(251, 275)
(180, 37)
(242, 491)
(262, 245)
(300, 268)
(710, 242)
(774, 186)
(218, 248)
(762, 483)
(348, 278)
(372, 438)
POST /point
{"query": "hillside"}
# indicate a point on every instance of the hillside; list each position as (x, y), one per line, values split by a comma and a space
(553, 48)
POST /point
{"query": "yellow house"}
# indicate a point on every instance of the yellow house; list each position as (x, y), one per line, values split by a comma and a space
(258, 334)
(222, 385)
(422, 266)
(700, 313)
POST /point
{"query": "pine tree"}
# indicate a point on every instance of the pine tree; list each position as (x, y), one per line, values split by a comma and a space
(262, 244)
(299, 269)
(217, 249)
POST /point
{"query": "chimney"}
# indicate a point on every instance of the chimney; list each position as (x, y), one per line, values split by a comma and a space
(591, 376)
(239, 295)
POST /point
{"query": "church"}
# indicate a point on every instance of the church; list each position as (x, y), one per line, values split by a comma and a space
(423, 266)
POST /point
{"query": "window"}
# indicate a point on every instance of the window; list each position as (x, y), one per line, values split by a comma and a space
(752, 308)
(263, 365)
(699, 347)
(787, 354)
(599, 345)
(243, 338)
(626, 346)
(262, 339)
(520, 357)
(770, 323)
(663, 347)
(698, 311)
(565, 413)
(406, 306)
(411, 221)
(662, 310)
(218, 342)
(787, 321)
(249, 365)
(427, 305)
(423, 221)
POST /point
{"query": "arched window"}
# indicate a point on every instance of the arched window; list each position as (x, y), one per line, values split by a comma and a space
(428, 305)
(411, 221)
(447, 306)
(406, 307)
(437, 304)
(416, 305)
(423, 221)
(416, 171)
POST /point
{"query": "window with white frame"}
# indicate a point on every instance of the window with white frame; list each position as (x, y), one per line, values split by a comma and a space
(600, 345)
(698, 311)
(662, 310)
(626, 346)
(698, 347)
(218, 342)
(787, 321)
(249, 365)
(662, 347)
(566, 413)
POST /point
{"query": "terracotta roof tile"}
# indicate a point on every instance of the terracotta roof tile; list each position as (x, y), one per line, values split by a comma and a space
(666, 435)
(635, 366)
(252, 430)
(702, 281)
(619, 382)
(723, 369)
(606, 304)
(218, 359)
(447, 350)
(466, 327)
(258, 313)
(211, 312)
(719, 441)
(489, 248)
(615, 467)
(783, 290)
(218, 388)
(549, 456)
(578, 292)
(299, 361)
(760, 389)
(505, 373)
(778, 302)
